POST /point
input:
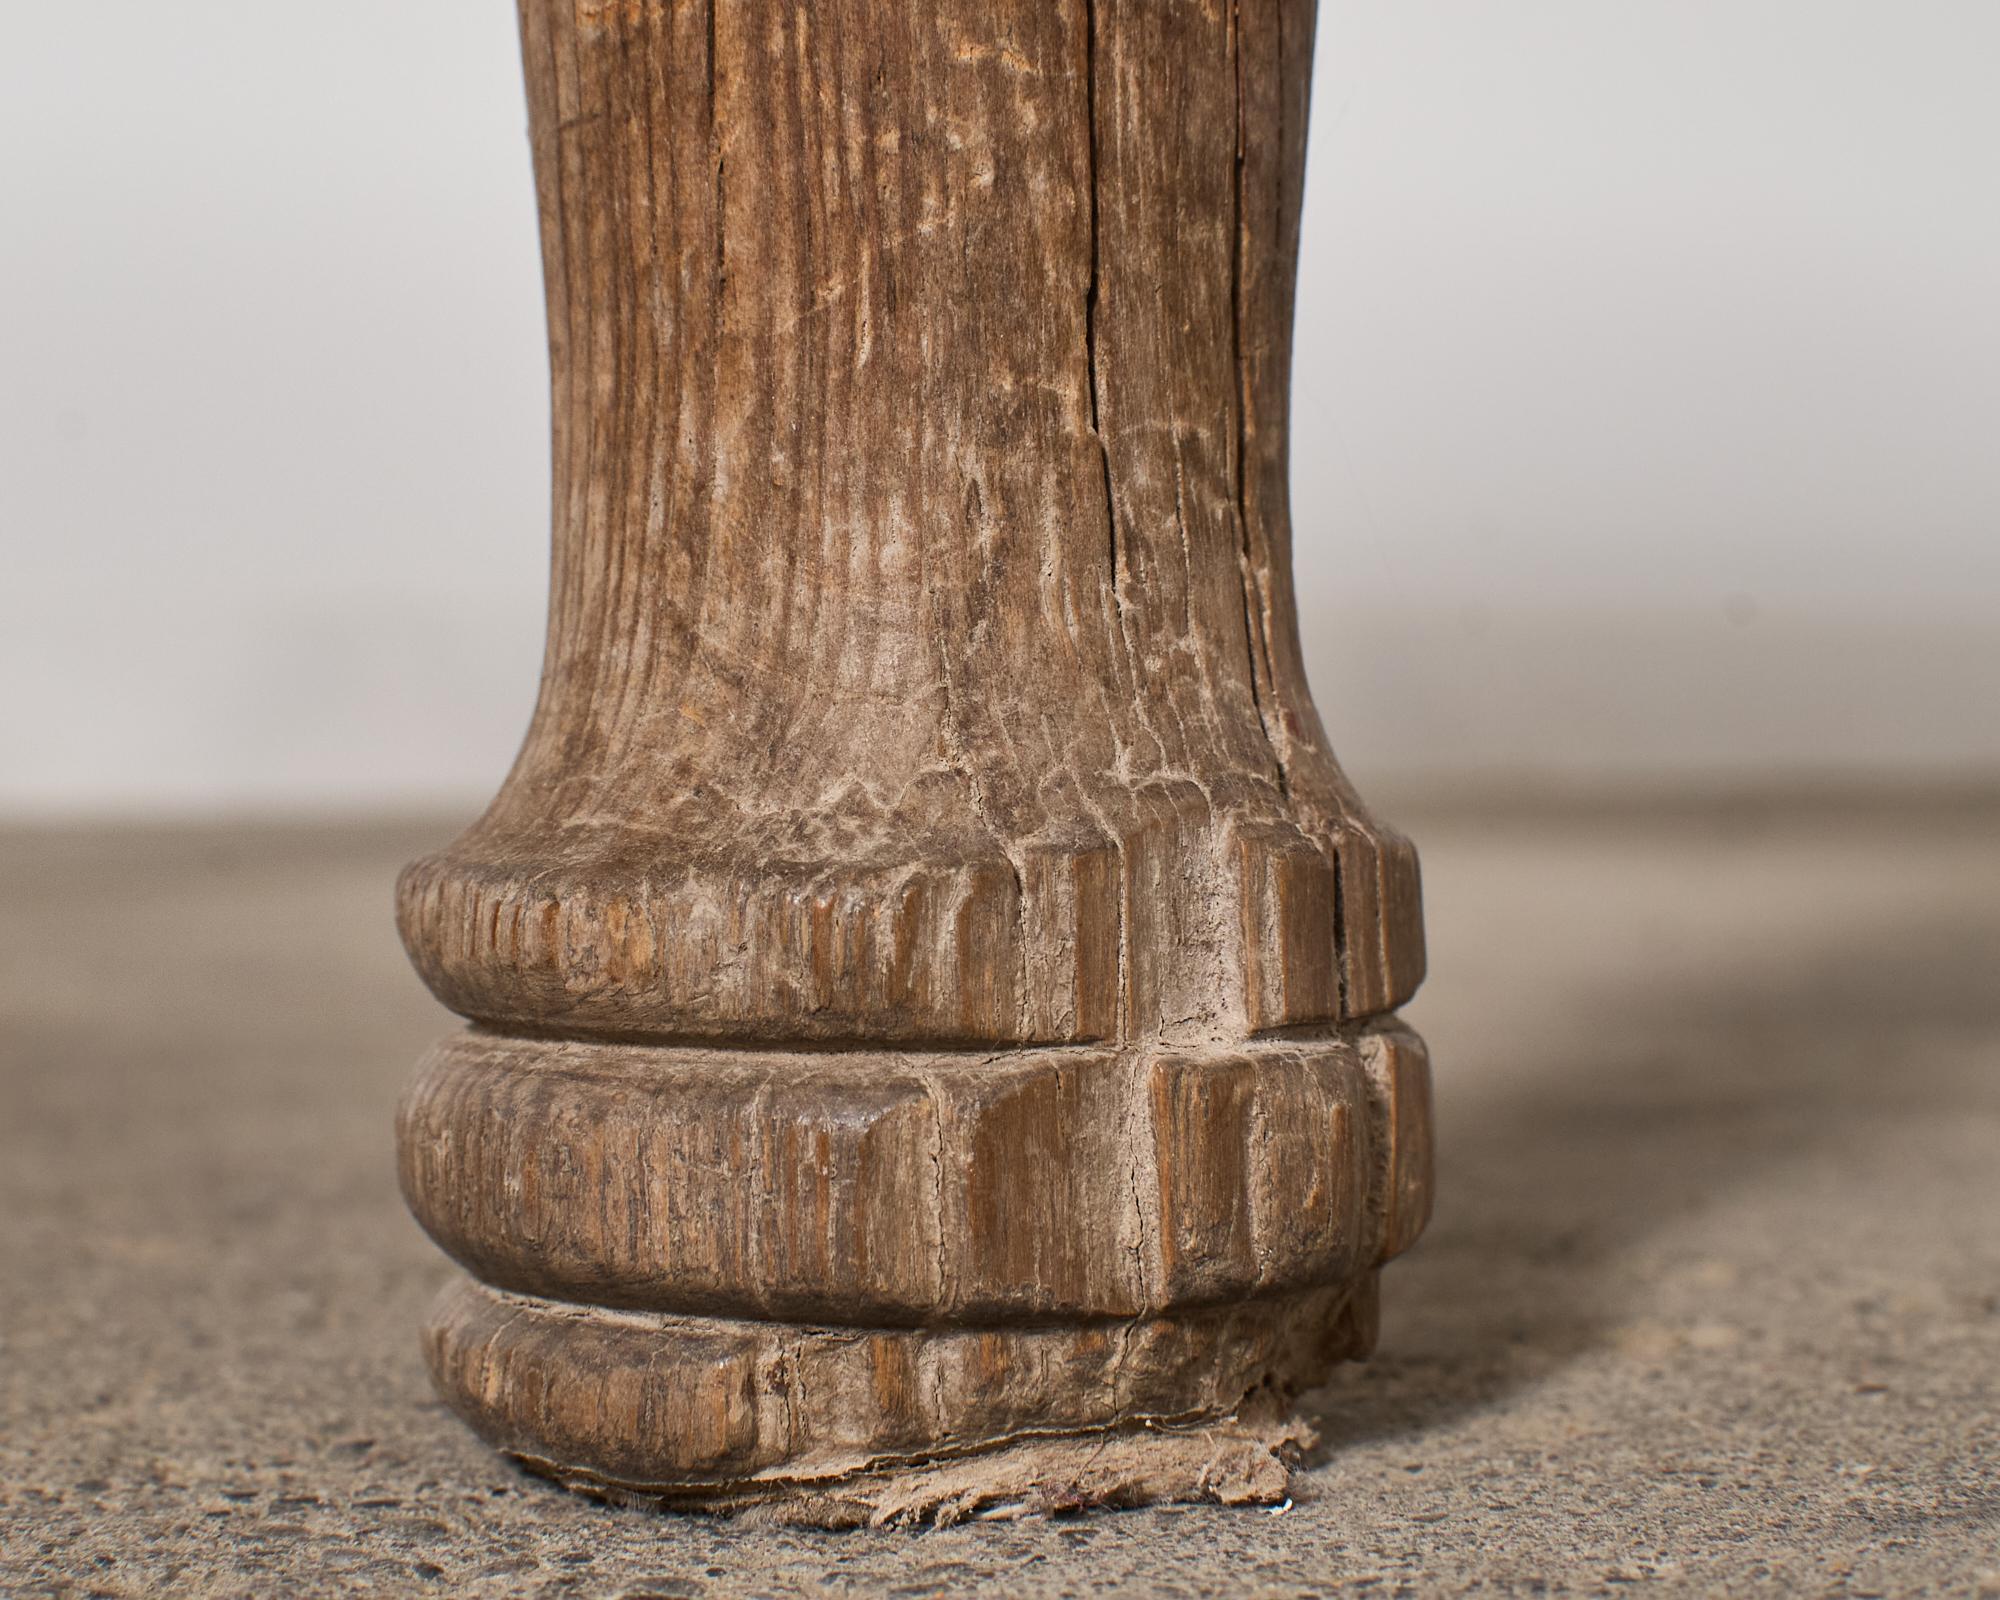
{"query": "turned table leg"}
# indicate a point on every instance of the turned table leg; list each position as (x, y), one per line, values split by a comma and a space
(931, 985)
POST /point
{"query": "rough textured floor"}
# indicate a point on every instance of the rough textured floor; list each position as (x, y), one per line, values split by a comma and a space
(1711, 1304)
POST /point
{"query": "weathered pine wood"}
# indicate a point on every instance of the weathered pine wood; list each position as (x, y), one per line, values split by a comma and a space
(925, 899)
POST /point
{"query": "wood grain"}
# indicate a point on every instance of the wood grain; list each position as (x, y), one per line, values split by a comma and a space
(899, 1188)
(925, 896)
(755, 1405)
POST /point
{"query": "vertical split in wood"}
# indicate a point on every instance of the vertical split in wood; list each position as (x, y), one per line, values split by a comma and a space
(932, 981)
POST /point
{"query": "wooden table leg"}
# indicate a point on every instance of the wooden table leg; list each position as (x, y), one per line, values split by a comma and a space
(930, 982)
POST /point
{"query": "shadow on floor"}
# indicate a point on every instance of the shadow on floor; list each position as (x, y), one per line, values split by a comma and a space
(1554, 1172)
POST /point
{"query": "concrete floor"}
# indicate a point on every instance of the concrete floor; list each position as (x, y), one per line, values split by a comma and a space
(1711, 1304)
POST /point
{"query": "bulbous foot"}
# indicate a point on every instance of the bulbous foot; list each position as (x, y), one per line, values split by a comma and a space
(878, 1286)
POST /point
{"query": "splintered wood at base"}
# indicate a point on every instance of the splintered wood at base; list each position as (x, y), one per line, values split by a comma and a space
(1235, 1462)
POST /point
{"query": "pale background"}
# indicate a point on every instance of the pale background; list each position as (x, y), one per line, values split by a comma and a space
(1649, 375)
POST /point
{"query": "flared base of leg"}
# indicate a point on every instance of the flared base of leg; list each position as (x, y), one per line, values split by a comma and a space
(836, 1426)
(882, 1285)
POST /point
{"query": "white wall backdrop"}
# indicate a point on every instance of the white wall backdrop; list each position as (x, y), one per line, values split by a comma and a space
(1648, 393)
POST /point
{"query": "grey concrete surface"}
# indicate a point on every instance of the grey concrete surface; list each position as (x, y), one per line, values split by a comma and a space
(1711, 1303)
